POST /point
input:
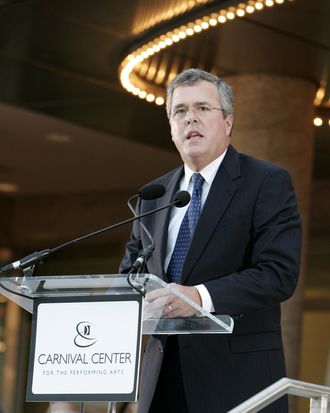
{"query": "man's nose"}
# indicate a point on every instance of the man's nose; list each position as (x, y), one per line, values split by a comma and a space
(191, 116)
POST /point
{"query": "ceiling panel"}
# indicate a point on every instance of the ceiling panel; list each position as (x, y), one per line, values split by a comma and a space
(60, 58)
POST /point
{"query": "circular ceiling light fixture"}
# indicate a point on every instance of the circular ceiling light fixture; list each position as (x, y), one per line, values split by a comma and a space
(135, 60)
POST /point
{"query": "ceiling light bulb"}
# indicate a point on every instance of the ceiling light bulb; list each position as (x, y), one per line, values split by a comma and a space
(318, 121)
(142, 94)
(230, 15)
(205, 25)
(130, 66)
(250, 9)
(222, 19)
(213, 22)
(240, 12)
(150, 97)
(259, 5)
(189, 31)
(159, 101)
(269, 3)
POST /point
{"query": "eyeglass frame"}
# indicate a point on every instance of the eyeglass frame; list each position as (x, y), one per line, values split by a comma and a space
(193, 109)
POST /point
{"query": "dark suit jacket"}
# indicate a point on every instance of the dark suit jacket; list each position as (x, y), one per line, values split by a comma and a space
(246, 251)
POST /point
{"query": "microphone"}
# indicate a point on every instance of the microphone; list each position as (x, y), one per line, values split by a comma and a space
(180, 199)
(149, 192)
(27, 261)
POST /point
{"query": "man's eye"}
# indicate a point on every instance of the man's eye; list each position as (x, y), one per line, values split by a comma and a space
(181, 111)
(203, 108)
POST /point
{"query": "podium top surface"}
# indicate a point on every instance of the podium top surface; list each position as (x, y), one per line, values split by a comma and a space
(24, 290)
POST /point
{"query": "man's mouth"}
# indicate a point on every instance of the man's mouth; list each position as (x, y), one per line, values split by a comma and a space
(193, 134)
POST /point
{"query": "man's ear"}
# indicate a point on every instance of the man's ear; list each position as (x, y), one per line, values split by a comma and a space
(229, 124)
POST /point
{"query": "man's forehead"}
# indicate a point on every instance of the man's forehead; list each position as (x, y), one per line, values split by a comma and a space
(201, 91)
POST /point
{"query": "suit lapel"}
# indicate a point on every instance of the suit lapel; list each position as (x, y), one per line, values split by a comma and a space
(162, 221)
(222, 191)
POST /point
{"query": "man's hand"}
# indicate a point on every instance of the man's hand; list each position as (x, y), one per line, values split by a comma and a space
(172, 305)
(179, 308)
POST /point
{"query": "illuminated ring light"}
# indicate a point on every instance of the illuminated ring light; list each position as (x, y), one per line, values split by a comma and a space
(322, 106)
(178, 34)
(321, 121)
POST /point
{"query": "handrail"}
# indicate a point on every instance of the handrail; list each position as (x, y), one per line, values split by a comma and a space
(318, 394)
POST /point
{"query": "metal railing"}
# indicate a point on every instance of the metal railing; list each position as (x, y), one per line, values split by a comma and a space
(319, 396)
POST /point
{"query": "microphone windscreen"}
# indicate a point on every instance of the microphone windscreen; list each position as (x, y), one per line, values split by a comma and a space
(152, 191)
(181, 199)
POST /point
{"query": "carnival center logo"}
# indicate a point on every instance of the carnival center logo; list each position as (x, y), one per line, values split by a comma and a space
(85, 336)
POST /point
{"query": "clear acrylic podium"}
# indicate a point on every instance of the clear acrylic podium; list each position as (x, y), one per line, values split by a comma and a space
(155, 319)
(24, 290)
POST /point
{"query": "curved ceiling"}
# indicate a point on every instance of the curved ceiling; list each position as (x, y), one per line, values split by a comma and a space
(61, 58)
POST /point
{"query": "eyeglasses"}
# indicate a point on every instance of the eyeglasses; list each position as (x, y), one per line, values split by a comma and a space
(202, 111)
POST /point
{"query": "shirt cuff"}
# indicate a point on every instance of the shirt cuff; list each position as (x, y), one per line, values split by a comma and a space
(207, 303)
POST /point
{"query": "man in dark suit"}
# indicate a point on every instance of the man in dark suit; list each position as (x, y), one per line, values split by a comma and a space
(242, 259)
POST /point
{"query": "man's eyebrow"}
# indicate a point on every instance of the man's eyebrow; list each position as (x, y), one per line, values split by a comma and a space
(180, 105)
(202, 103)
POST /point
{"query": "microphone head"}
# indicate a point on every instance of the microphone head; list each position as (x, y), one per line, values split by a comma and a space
(181, 199)
(152, 191)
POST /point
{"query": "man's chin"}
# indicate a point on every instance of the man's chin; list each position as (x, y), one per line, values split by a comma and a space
(194, 159)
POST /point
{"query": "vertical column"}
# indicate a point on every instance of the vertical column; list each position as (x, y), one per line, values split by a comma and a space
(273, 121)
(12, 329)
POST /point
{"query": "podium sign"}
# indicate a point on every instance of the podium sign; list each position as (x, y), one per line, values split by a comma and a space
(85, 348)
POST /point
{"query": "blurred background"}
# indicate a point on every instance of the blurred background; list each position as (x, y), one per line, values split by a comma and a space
(83, 127)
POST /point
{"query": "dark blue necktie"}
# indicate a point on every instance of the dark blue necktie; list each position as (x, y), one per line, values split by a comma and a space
(187, 228)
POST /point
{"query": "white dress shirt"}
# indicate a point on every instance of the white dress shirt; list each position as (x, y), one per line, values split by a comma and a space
(177, 214)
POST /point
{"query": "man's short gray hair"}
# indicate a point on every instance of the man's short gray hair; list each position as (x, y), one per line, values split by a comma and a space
(190, 77)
